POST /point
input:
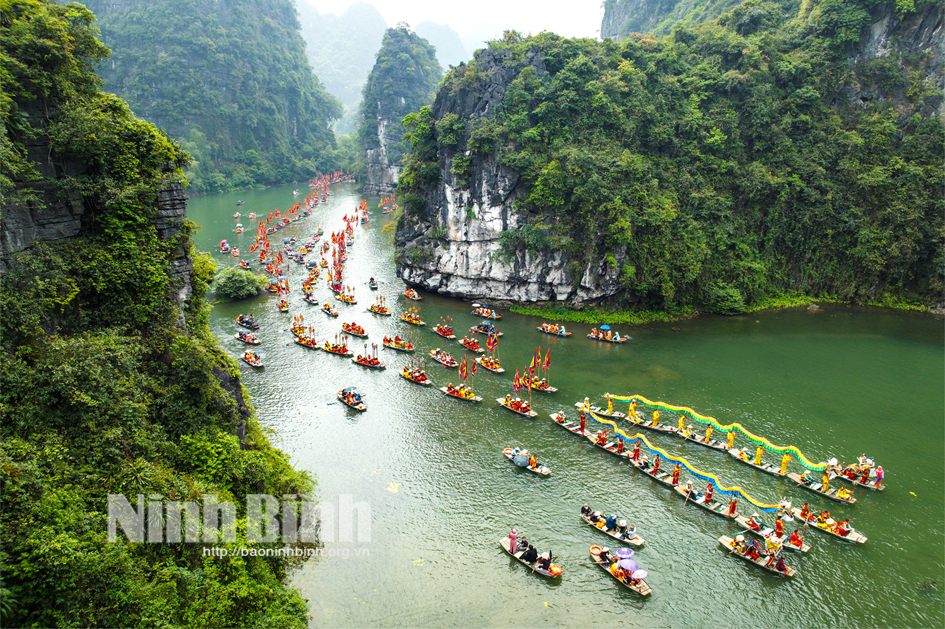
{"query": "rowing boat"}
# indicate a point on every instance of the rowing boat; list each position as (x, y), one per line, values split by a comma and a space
(472, 345)
(770, 468)
(553, 333)
(610, 446)
(378, 365)
(445, 331)
(422, 379)
(715, 444)
(247, 323)
(412, 320)
(601, 412)
(252, 360)
(622, 339)
(528, 413)
(637, 586)
(761, 561)
(443, 358)
(816, 488)
(487, 329)
(636, 540)
(714, 506)
(355, 402)
(328, 310)
(412, 294)
(546, 389)
(553, 572)
(249, 339)
(854, 537)
(764, 531)
(474, 398)
(572, 427)
(398, 344)
(380, 310)
(354, 330)
(648, 425)
(664, 478)
(340, 351)
(512, 454)
(487, 366)
(314, 344)
(873, 484)
(486, 313)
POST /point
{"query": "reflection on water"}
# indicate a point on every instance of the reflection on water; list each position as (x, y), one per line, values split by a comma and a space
(837, 382)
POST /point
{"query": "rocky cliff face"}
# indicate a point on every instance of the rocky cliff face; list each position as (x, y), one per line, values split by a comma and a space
(456, 247)
(381, 176)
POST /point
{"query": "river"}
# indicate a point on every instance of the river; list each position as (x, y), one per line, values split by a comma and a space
(840, 381)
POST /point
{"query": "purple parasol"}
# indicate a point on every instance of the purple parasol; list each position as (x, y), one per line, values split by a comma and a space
(628, 564)
(624, 553)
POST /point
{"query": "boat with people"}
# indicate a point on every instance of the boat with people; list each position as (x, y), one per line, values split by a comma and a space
(490, 363)
(612, 526)
(822, 522)
(352, 399)
(553, 329)
(354, 330)
(372, 284)
(338, 349)
(486, 328)
(346, 298)
(371, 362)
(526, 460)
(224, 246)
(517, 405)
(247, 337)
(462, 392)
(283, 305)
(310, 298)
(486, 313)
(379, 308)
(586, 406)
(444, 330)
(630, 576)
(412, 294)
(759, 528)
(307, 341)
(417, 376)
(524, 555)
(247, 321)
(412, 318)
(639, 420)
(327, 309)
(541, 386)
(840, 494)
(743, 456)
(751, 552)
(600, 440)
(706, 440)
(444, 358)
(606, 335)
(244, 264)
(398, 344)
(653, 470)
(252, 359)
(704, 500)
(864, 474)
(571, 426)
(472, 345)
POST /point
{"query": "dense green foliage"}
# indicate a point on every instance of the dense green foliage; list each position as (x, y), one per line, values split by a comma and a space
(403, 80)
(229, 80)
(103, 388)
(659, 17)
(232, 282)
(717, 167)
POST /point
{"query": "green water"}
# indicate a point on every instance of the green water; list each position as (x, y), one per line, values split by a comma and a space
(838, 382)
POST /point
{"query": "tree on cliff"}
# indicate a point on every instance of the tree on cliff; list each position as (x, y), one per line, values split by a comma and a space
(231, 80)
(112, 382)
(403, 80)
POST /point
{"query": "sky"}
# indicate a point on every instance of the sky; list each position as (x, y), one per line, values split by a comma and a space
(570, 18)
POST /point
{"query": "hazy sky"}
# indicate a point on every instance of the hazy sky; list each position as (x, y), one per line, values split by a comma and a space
(571, 18)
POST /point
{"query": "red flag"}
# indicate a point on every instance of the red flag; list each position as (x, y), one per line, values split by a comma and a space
(462, 368)
(547, 360)
(516, 382)
(473, 367)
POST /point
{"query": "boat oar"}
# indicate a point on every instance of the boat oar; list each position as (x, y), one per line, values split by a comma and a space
(686, 500)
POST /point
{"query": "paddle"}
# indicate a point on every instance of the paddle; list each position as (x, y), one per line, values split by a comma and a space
(686, 501)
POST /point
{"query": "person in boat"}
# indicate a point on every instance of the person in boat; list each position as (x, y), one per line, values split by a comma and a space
(586, 511)
(620, 446)
(594, 332)
(843, 493)
(508, 400)
(583, 422)
(689, 493)
(879, 475)
(778, 527)
(825, 481)
(545, 562)
(644, 462)
(656, 417)
(731, 506)
(595, 517)
(676, 469)
(636, 451)
(605, 555)
(610, 523)
(708, 493)
(622, 529)
(531, 555)
(656, 465)
(805, 512)
(533, 462)
(780, 565)
(843, 529)
(754, 522)
(823, 517)
(794, 539)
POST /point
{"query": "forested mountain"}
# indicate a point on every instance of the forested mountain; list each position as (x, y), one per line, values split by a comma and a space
(775, 150)
(230, 80)
(659, 17)
(112, 382)
(449, 49)
(403, 80)
(341, 49)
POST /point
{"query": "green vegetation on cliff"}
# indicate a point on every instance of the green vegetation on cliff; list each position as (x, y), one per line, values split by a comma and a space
(717, 167)
(403, 80)
(109, 384)
(230, 81)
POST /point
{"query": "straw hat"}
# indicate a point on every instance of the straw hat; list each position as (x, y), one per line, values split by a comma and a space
(623, 523)
(739, 538)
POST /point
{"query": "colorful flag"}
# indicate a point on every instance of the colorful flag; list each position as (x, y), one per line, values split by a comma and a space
(547, 360)
(462, 368)
(516, 382)
(473, 368)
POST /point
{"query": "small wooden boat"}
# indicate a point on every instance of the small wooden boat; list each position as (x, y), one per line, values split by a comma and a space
(485, 328)
(536, 386)
(636, 540)
(552, 330)
(420, 379)
(354, 330)
(764, 531)
(249, 339)
(348, 299)
(637, 586)
(609, 446)
(573, 427)
(525, 413)
(816, 487)
(698, 499)
(489, 365)
(872, 484)
(380, 310)
(328, 310)
(855, 537)
(486, 313)
(599, 411)
(309, 343)
(662, 477)
(715, 444)
(370, 363)
(337, 350)
(412, 319)
(445, 331)
(372, 284)
(443, 358)
(553, 572)
(398, 344)
(247, 322)
(472, 345)
(614, 339)
(513, 453)
(649, 425)
(770, 468)
(474, 398)
(283, 306)
(412, 294)
(252, 359)
(761, 561)
(352, 399)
